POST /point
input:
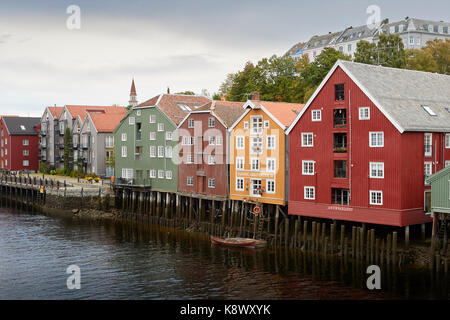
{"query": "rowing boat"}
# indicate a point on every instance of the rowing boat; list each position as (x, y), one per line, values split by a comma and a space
(239, 242)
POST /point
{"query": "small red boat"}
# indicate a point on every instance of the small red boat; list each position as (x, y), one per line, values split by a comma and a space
(239, 242)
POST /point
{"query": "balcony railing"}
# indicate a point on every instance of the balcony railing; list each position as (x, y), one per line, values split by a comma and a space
(340, 122)
(340, 172)
(139, 182)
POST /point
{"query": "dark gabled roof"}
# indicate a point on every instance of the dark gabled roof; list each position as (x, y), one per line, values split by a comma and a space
(21, 125)
(227, 111)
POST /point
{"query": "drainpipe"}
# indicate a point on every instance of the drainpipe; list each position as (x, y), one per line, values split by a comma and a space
(350, 146)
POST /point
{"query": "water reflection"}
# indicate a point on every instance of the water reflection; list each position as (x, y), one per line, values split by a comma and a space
(131, 261)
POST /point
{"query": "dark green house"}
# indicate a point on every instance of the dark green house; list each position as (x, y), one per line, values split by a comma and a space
(146, 152)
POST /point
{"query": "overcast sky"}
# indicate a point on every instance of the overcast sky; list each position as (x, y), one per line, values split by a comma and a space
(181, 44)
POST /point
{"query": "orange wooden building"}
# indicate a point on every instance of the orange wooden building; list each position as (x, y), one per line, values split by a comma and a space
(257, 152)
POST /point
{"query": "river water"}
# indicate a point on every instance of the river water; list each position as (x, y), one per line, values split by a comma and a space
(126, 261)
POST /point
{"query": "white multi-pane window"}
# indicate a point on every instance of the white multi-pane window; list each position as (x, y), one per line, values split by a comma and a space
(245, 125)
(124, 151)
(316, 115)
(270, 142)
(364, 113)
(160, 126)
(26, 163)
(376, 197)
(212, 141)
(160, 151)
(240, 142)
(160, 174)
(152, 151)
(447, 164)
(376, 139)
(168, 175)
(309, 193)
(239, 184)
(307, 139)
(270, 186)
(168, 152)
(428, 144)
(26, 152)
(255, 188)
(447, 141)
(138, 112)
(169, 136)
(211, 183)
(152, 118)
(124, 137)
(308, 168)
(428, 169)
(256, 124)
(127, 173)
(211, 160)
(190, 158)
(254, 164)
(25, 142)
(187, 141)
(191, 123)
(152, 136)
(270, 165)
(109, 141)
(211, 122)
(240, 161)
(219, 141)
(190, 181)
(131, 120)
(256, 145)
(377, 170)
(266, 124)
(152, 173)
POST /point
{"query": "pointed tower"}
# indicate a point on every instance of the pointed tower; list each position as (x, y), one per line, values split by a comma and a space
(133, 101)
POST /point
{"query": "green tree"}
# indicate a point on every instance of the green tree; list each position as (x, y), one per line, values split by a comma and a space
(68, 151)
(434, 57)
(421, 60)
(189, 93)
(391, 52)
(366, 52)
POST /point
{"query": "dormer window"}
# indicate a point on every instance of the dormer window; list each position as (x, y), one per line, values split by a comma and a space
(429, 110)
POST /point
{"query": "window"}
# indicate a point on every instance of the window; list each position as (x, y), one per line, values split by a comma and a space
(377, 170)
(340, 196)
(447, 141)
(309, 193)
(168, 136)
(138, 112)
(152, 151)
(340, 118)
(160, 151)
(160, 174)
(109, 141)
(256, 189)
(26, 163)
(124, 151)
(239, 184)
(349, 48)
(364, 113)
(240, 143)
(245, 125)
(26, 152)
(169, 175)
(376, 139)
(376, 198)
(211, 160)
(211, 122)
(152, 173)
(190, 123)
(340, 169)
(152, 136)
(131, 120)
(168, 152)
(160, 126)
(25, 142)
(190, 158)
(270, 186)
(127, 173)
(124, 137)
(256, 145)
(211, 183)
(266, 124)
(316, 115)
(429, 111)
(339, 142)
(218, 141)
(447, 164)
(270, 142)
(212, 141)
(240, 161)
(256, 123)
(308, 168)
(411, 40)
(339, 92)
(428, 144)
(270, 165)
(152, 118)
(190, 181)
(307, 139)
(254, 164)
(428, 169)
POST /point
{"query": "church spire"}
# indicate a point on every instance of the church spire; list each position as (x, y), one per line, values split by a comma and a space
(133, 101)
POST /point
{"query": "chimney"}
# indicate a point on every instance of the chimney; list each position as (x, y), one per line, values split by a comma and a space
(255, 95)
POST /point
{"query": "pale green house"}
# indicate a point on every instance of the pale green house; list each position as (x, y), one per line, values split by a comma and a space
(440, 191)
(146, 140)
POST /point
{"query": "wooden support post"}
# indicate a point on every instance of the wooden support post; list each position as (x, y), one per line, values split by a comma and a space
(296, 233)
(342, 239)
(394, 248)
(407, 237)
(332, 237)
(313, 235)
(377, 250)
(277, 216)
(305, 235)
(353, 241)
(286, 232)
(422, 231)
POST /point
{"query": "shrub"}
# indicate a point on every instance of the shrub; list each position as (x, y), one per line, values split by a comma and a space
(43, 167)
(52, 172)
(60, 171)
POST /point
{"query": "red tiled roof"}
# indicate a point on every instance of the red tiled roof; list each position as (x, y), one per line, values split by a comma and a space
(83, 110)
(227, 111)
(284, 112)
(107, 122)
(55, 111)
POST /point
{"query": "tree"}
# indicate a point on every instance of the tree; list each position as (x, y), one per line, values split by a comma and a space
(68, 151)
(421, 60)
(438, 51)
(366, 52)
(189, 93)
(391, 52)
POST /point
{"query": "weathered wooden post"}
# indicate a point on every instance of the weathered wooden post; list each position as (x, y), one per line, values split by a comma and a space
(353, 241)
(277, 216)
(394, 248)
(313, 235)
(305, 235)
(407, 237)
(332, 237)
(342, 239)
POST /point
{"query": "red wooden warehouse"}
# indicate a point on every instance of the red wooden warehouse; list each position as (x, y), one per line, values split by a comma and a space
(203, 154)
(19, 143)
(366, 140)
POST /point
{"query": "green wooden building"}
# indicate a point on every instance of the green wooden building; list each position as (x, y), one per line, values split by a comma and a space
(440, 201)
(146, 152)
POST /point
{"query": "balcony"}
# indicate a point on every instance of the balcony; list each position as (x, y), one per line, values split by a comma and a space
(133, 182)
(340, 118)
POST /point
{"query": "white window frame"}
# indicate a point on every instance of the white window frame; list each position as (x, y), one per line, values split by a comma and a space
(211, 122)
(124, 151)
(255, 161)
(160, 151)
(271, 160)
(271, 146)
(428, 164)
(253, 144)
(428, 136)
(447, 141)
(238, 188)
(447, 163)
(152, 174)
(25, 142)
(138, 112)
(219, 140)
(152, 152)
(212, 140)
(213, 184)
(127, 173)
(131, 120)
(191, 123)
(168, 175)
(308, 171)
(370, 197)
(266, 124)
(362, 113)
(252, 189)
(211, 160)
(268, 190)
(26, 163)
(258, 129)
(379, 166)
(169, 135)
(305, 143)
(316, 115)
(124, 137)
(246, 125)
(190, 158)
(307, 193)
(377, 144)
(168, 152)
(109, 142)
(160, 127)
(240, 163)
(26, 152)
(190, 181)
(240, 139)
(161, 174)
(152, 118)
(152, 136)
